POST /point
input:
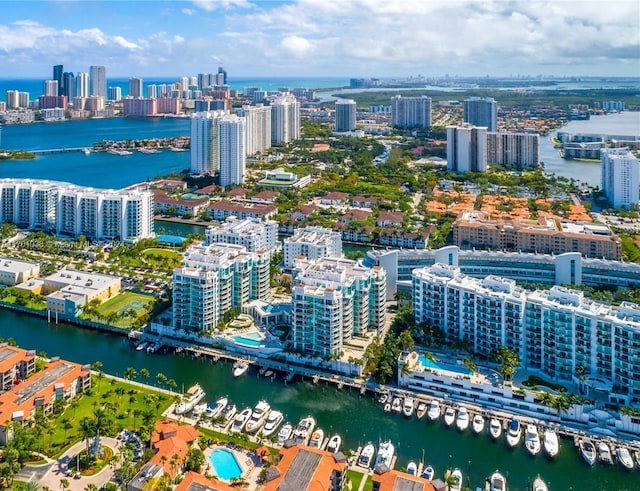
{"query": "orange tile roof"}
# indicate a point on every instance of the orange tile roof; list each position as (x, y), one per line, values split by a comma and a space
(387, 481)
(12, 356)
(168, 448)
(211, 484)
(167, 428)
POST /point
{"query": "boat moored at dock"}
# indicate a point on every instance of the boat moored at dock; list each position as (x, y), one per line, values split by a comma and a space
(514, 433)
(334, 444)
(624, 457)
(273, 422)
(434, 410)
(587, 451)
(477, 424)
(385, 454)
(497, 482)
(495, 428)
(366, 456)
(285, 433)
(550, 443)
(303, 430)
(194, 395)
(532, 439)
(462, 421)
(258, 417)
(317, 438)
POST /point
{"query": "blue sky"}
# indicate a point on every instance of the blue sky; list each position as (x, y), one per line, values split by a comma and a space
(345, 38)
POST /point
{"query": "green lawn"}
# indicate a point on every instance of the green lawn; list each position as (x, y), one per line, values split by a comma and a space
(368, 486)
(128, 403)
(356, 478)
(121, 303)
(161, 258)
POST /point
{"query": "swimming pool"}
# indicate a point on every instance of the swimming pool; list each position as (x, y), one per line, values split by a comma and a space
(225, 464)
(433, 365)
(252, 339)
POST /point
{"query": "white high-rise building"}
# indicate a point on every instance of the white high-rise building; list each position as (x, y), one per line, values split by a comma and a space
(312, 243)
(50, 87)
(23, 99)
(411, 112)
(620, 177)
(13, 99)
(481, 111)
(98, 81)
(345, 115)
(285, 120)
(230, 145)
(252, 233)
(258, 127)
(332, 300)
(517, 150)
(466, 149)
(82, 84)
(115, 93)
(204, 157)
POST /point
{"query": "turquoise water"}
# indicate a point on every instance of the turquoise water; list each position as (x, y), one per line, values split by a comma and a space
(170, 239)
(427, 363)
(225, 464)
(249, 340)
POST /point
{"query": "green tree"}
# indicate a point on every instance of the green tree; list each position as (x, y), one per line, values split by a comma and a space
(509, 361)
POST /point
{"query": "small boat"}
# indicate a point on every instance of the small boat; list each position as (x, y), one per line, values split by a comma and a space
(412, 468)
(387, 407)
(241, 420)
(366, 456)
(148, 150)
(477, 424)
(302, 433)
(273, 421)
(216, 410)
(239, 368)
(539, 485)
(532, 439)
(141, 346)
(285, 433)
(462, 421)
(454, 479)
(200, 409)
(434, 410)
(317, 438)
(624, 457)
(495, 428)
(497, 482)
(334, 443)
(421, 410)
(449, 416)
(258, 417)
(588, 451)
(428, 472)
(193, 396)
(550, 443)
(514, 433)
(396, 405)
(407, 407)
(385, 454)
(384, 397)
(86, 151)
(229, 412)
(604, 453)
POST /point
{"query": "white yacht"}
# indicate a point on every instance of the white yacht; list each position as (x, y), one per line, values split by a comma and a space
(385, 454)
(273, 421)
(495, 428)
(334, 443)
(497, 482)
(532, 439)
(421, 410)
(449, 416)
(285, 433)
(455, 480)
(412, 468)
(258, 417)
(216, 410)
(193, 396)
(302, 433)
(588, 451)
(387, 407)
(462, 421)
(477, 424)
(141, 346)
(539, 485)
(396, 405)
(317, 438)
(229, 412)
(428, 472)
(624, 457)
(550, 443)
(434, 410)
(366, 456)
(407, 407)
(241, 420)
(240, 368)
(200, 409)
(604, 453)
(514, 433)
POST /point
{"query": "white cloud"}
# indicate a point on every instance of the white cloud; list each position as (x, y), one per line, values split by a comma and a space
(296, 46)
(210, 5)
(188, 11)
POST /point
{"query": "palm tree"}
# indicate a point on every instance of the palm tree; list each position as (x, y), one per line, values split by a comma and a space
(66, 426)
(144, 373)
(86, 430)
(64, 484)
(130, 373)
(161, 378)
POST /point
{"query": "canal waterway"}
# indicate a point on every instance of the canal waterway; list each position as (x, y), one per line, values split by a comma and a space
(358, 418)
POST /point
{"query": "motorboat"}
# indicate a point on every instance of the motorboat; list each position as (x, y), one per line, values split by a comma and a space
(396, 405)
(273, 421)
(624, 457)
(477, 424)
(385, 454)
(193, 396)
(454, 479)
(532, 439)
(462, 421)
(317, 438)
(407, 407)
(229, 412)
(434, 410)
(495, 428)
(240, 368)
(428, 472)
(514, 432)
(240, 420)
(449, 416)
(285, 433)
(637, 456)
(497, 482)
(141, 346)
(421, 410)
(302, 433)
(366, 456)
(258, 417)
(384, 397)
(387, 407)
(604, 453)
(539, 485)
(550, 443)
(412, 468)
(200, 409)
(216, 410)
(588, 451)
(334, 443)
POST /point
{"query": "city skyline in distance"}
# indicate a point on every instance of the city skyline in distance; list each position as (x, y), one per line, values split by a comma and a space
(323, 38)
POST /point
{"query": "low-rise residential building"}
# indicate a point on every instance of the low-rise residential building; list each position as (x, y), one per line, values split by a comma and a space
(16, 364)
(192, 481)
(311, 243)
(404, 240)
(220, 210)
(14, 271)
(390, 219)
(165, 204)
(265, 197)
(251, 233)
(334, 198)
(364, 202)
(281, 178)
